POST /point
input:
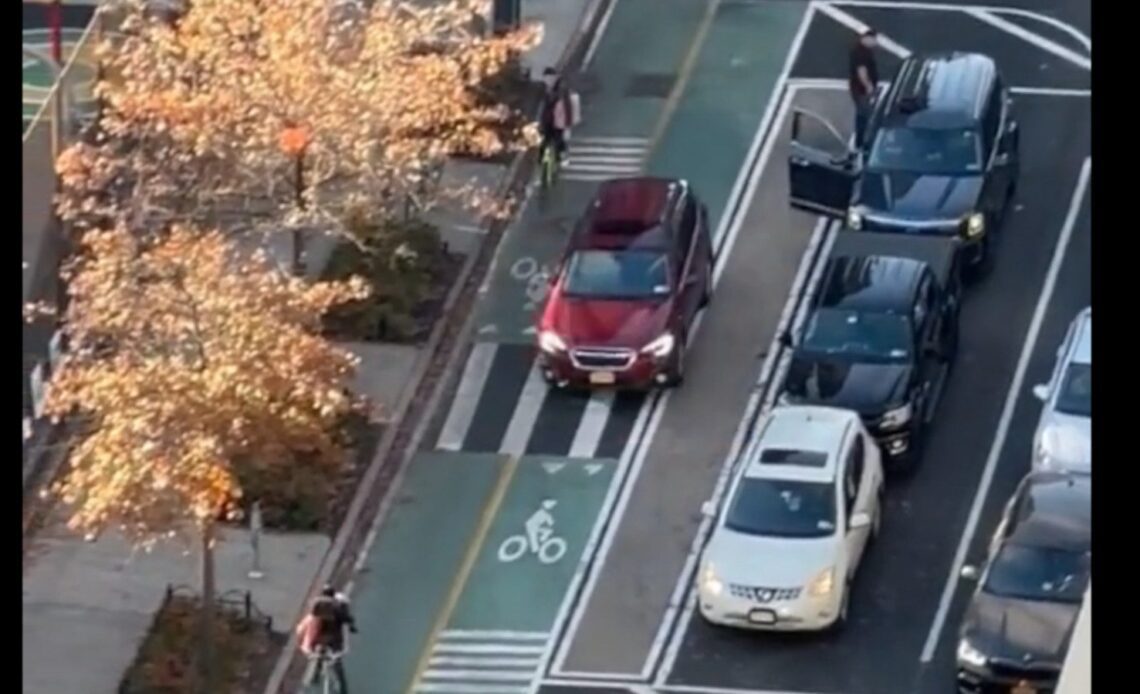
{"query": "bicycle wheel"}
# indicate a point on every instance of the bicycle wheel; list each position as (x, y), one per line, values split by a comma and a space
(546, 164)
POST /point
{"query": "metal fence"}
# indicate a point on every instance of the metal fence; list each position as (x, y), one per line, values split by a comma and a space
(67, 110)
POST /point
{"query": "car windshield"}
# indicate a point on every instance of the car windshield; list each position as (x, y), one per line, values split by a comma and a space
(1075, 396)
(885, 336)
(782, 508)
(625, 274)
(926, 151)
(1038, 573)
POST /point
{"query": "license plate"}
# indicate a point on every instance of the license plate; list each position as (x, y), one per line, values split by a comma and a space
(602, 378)
(1023, 688)
(762, 617)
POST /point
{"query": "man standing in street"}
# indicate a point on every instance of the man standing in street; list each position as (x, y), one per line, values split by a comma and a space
(862, 76)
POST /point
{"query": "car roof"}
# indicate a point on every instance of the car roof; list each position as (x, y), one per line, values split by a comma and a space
(939, 253)
(1081, 350)
(1054, 510)
(806, 428)
(869, 283)
(629, 213)
(941, 90)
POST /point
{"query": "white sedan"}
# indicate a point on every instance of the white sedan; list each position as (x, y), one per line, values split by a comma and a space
(1063, 440)
(798, 519)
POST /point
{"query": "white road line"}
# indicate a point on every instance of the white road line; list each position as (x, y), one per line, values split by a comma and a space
(1047, 45)
(494, 635)
(1011, 401)
(480, 675)
(592, 424)
(467, 396)
(857, 26)
(459, 661)
(526, 413)
(1049, 91)
(488, 648)
(657, 689)
(598, 34)
(841, 85)
(600, 158)
(460, 688)
(1069, 29)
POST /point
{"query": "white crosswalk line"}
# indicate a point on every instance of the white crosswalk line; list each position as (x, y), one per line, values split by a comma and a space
(525, 414)
(600, 158)
(593, 422)
(483, 662)
(467, 396)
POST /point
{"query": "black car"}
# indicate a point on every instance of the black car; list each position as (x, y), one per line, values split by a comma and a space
(1019, 623)
(881, 335)
(941, 156)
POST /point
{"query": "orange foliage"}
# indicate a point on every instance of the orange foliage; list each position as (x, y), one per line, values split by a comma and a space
(384, 95)
(188, 360)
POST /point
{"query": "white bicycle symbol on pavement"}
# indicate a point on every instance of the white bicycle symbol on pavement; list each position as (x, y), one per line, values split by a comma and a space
(539, 538)
(535, 276)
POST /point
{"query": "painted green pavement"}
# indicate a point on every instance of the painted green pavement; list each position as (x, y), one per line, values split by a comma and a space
(710, 131)
(39, 75)
(413, 562)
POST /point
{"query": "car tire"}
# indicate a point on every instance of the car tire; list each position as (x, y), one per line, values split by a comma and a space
(706, 296)
(677, 375)
(844, 607)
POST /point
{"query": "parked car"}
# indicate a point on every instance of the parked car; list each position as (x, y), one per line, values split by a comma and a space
(799, 517)
(881, 336)
(622, 302)
(1017, 628)
(1063, 439)
(941, 156)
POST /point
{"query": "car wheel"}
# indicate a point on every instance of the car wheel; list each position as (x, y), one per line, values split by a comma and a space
(844, 605)
(706, 296)
(678, 374)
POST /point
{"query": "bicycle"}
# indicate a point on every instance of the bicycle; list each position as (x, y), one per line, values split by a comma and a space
(549, 164)
(323, 664)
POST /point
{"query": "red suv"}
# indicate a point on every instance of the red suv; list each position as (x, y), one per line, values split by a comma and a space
(636, 271)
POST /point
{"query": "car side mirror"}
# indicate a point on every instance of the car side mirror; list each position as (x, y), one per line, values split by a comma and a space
(859, 520)
(969, 572)
(708, 509)
(1041, 392)
(786, 340)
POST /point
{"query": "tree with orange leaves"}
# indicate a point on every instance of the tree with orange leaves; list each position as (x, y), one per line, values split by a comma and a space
(384, 96)
(189, 363)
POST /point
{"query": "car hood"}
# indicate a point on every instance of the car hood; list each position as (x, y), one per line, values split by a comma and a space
(918, 196)
(1064, 441)
(606, 322)
(1019, 630)
(867, 388)
(768, 562)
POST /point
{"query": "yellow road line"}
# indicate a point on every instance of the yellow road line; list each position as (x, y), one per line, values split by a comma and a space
(470, 556)
(683, 76)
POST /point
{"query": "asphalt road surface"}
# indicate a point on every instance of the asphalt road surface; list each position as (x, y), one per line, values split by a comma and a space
(899, 588)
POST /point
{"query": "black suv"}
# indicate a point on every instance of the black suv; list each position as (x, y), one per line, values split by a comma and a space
(881, 335)
(941, 156)
(1017, 629)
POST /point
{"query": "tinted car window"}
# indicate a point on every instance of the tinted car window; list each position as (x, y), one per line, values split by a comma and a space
(885, 336)
(1075, 395)
(780, 508)
(617, 274)
(1038, 573)
(926, 150)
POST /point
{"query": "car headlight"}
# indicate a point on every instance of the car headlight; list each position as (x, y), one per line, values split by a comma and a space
(1042, 460)
(550, 342)
(975, 225)
(822, 584)
(660, 347)
(896, 418)
(709, 581)
(854, 218)
(969, 655)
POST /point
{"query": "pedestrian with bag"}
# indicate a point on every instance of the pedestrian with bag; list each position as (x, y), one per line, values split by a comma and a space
(862, 78)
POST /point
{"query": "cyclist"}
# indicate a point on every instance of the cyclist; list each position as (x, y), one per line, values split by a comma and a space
(559, 112)
(324, 627)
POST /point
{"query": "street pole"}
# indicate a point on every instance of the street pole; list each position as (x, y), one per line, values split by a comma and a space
(255, 539)
(299, 200)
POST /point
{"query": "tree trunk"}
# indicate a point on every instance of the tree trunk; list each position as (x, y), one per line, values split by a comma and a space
(299, 200)
(206, 661)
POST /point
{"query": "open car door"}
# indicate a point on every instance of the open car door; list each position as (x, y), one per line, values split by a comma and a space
(822, 168)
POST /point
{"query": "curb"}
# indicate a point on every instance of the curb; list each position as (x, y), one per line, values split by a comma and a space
(435, 367)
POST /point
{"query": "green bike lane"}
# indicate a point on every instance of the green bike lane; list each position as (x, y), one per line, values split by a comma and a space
(457, 593)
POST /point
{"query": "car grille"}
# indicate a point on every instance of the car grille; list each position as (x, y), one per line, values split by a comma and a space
(602, 358)
(902, 226)
(1038, 673)
(764, 595)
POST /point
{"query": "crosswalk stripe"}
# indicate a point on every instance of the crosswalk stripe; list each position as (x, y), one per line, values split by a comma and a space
(599, 158)
(487, 648)
(525, 414)
(481, 675)
(495, 635)
(461, 688)
(460, 661)
(592, 424)
(467, 396)
(609, 140)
